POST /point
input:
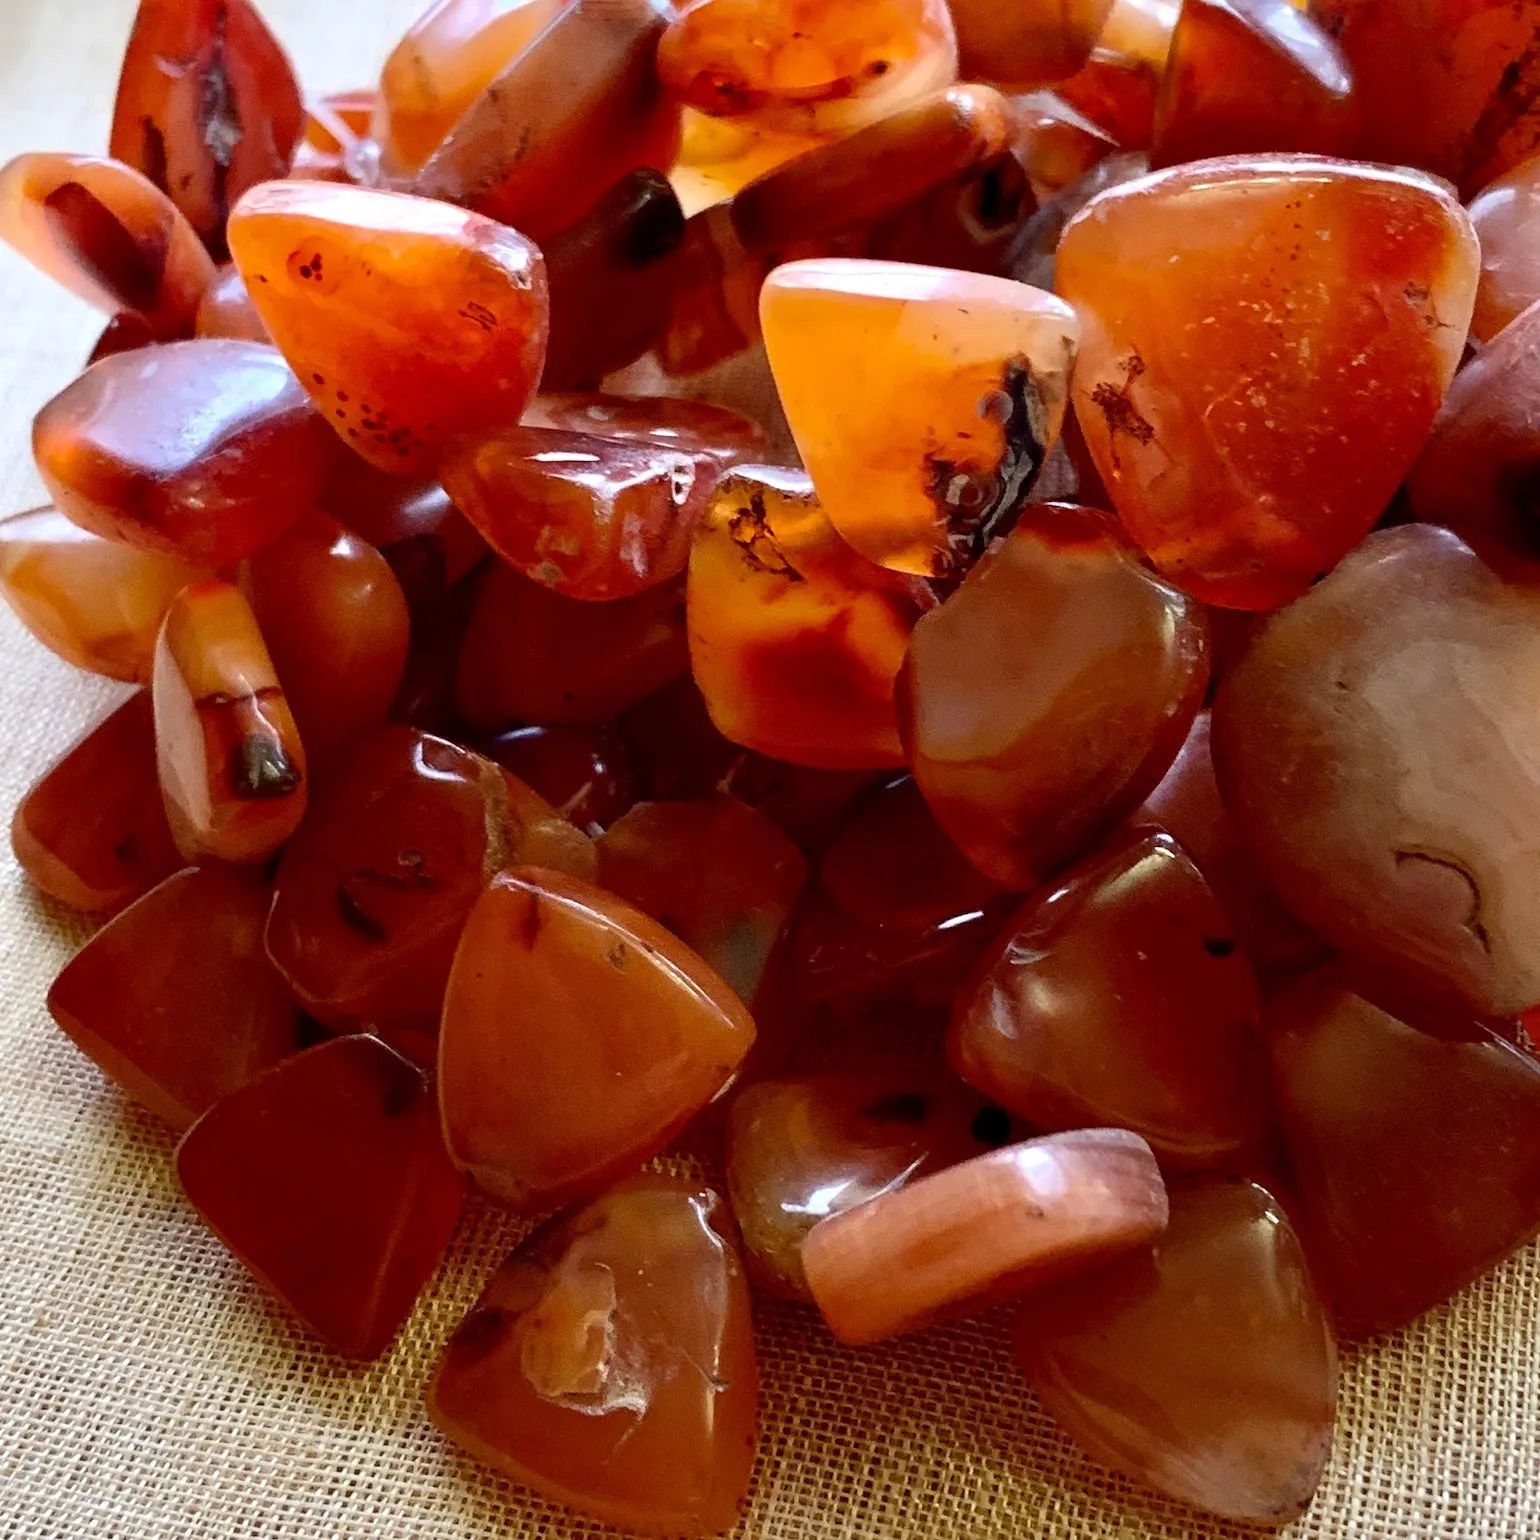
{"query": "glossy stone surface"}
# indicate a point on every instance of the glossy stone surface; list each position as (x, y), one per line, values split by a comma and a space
(91, 832)
(370, 897)
(1204, 1367)
(799, 1151)
(796, 639)
(1055, 143)
(1026, 45)
(532, 655)
(126, 332)
(972, 1235)
(1248, 454)
(232, 768)
(1048, 696)
(226, 308)
(407, 321)
(175, 999)
(1506, 214)
(1414, 1151)
(108, 235)
(585, 773)
(204, 450)
(923, 401)
(578, 1038)
(1118, 996)
(1378, 747)
(567, 117)
(94, 602)
(336, 626)
(610, 1363)
(666, 422)
(207, 106)
(716, 873)
(327, 1178)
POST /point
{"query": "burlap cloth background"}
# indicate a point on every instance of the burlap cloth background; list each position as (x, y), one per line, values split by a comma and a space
(148, 1390)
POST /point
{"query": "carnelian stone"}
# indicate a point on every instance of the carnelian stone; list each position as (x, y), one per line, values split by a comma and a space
(1026, 45)
(92, 831)
(1117, 93)
(1234, 400)
(1055, 143)
(568, 116)
(327, 1178)
(126, 332)
(1249, 75)
(1118, 995)
(1044, 701)
(610, 1363)
(715, 315)
(716, 873)
(667, 422)
(1033, 257)
(175, 999)
(578, 1038)
(226, 309)
(407, 321)
(532, 655)
(207, 106)
(808, 66)
(108, 235)
(1506, 215)
(1205, 1366)
(923, 401)
(801, 1150)
(204, 450)
(405, 832)
(795, 638)
(449, 56)
(718, 157)
(337, 627)
(96, 603)
(232, 769)
(583, 772)
(971, 1235)
(1416, 1156)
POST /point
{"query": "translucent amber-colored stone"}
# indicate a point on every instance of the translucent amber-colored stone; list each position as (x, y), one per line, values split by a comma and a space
(370, 897)
(1118, 996)
(1253, 405)
(1044, 701)
(232, 769)
(578, 1038)
(613, 279)
(175, 999)
(449, 56)
(96, 603)
(720, 156)
(692, 427)
(610, 1363)
(327, 1178)
(407, 321)
(108, 235)
(923, 401)
(583, 772)
(126, 332)
(799, 1151)
(1205, 1367)
(532, 655)
(1118, 94)
(1416, 1154)
(808, 66)
(1248, 75)
(716, 873)
(1033, 258)
(1378, 746)
(1055, 143)
(568, 116)
(204, 450)
(715, 315)
(226, 309)
(207, 106)
(795, 638)
(1506, 214)
(92, 831)
(976, 1233)
(1027, 44)
(336, 625)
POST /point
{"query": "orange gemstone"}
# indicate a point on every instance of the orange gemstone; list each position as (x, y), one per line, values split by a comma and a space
(226, 309)
(1328, 278)
(336, 625)
(204, 450)
(96, 603)
(371, 894)
(578, 1038)
(583, 772)
(610, 1363)
(971, 1235)
(406, 320)
(232, 769)
(1506, 214)
(665, 422)
(108, 235)
(1118, 93)
(124, 333)
(1055, 143)
(923, 400)
(327, 1178)
(1026, 45)
(720, 156)
(175, 999)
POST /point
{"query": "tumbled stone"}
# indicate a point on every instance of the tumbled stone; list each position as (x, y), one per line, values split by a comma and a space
(1506, 216)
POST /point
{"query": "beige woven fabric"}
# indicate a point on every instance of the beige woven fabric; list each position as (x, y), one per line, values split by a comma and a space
(148, 1391)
